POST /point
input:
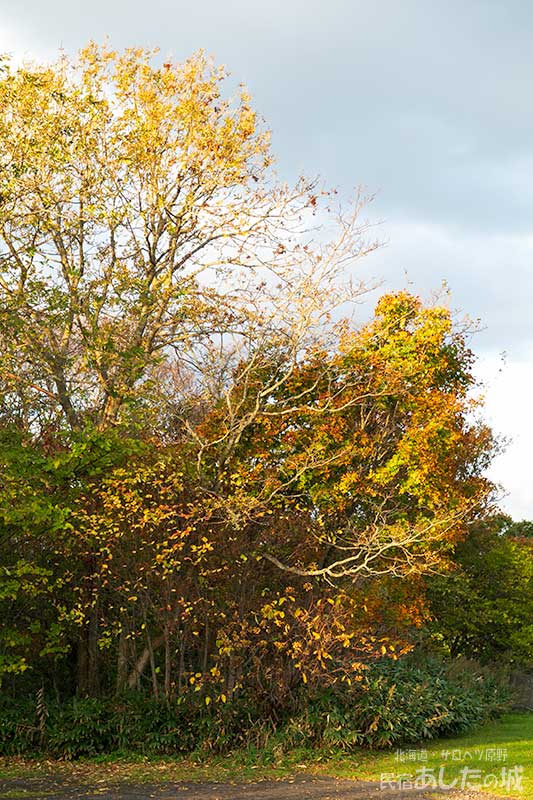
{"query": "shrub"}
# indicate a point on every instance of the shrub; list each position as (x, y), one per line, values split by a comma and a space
(398, 701)
(19, 729)
(395, 702)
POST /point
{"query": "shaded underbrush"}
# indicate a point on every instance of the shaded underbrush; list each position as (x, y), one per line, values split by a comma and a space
(393, 702)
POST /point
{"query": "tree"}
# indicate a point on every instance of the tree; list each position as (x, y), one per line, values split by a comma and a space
(210, 477)
(361, 468)
(483, 607)
(138, 214)
(370, 440)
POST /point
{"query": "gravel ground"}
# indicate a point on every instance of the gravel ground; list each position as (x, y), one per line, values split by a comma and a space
(301, 788)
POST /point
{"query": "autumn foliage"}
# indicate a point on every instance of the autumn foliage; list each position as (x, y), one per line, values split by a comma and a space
(213, 482)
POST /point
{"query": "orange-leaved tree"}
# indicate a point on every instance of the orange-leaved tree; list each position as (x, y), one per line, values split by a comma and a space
(282, 531)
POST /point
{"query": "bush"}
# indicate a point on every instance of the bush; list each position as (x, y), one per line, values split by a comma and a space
(395, 702)
(83, 728)
(400, 702)
(19, 729)
(407, 703)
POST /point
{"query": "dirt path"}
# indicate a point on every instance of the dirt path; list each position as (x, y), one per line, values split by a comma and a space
(300, 788)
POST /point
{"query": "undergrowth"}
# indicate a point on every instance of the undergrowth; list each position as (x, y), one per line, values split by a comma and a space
(395, 702)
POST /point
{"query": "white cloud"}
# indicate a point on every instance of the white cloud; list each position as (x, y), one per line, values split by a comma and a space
(21, 45)
(490, 277)
(508, 409)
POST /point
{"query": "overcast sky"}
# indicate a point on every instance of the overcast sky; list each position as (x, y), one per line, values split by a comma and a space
(425, 102)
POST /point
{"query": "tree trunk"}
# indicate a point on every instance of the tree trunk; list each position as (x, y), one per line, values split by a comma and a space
(87, 662)
(155, 686)
(122, 662)
(142, 663)
(167, 662)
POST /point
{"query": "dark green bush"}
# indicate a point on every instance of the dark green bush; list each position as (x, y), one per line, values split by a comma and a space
(82, 728)
(19, 729)
(398, 701)
(395, 702)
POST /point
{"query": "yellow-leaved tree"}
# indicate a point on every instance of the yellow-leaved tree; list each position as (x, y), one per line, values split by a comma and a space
(139, 216)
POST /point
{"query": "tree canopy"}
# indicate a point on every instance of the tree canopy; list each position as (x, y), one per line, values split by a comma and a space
(212, 477)
(483, 607)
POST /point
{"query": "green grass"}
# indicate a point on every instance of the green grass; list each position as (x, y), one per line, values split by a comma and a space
(511, 736)
(509, 740)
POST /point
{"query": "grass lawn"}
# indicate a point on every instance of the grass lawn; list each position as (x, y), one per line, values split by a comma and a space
(494, 750)
(503, 745)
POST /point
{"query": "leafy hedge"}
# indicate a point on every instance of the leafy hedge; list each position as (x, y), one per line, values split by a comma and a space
(400, 702)
(88, 727)
(395, 702)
